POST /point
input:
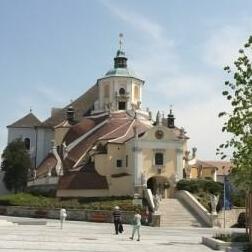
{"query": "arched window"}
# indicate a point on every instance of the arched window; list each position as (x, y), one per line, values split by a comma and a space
(159, 158)
(106, 91)
(122, 91)
(136, 92)
(27, 143)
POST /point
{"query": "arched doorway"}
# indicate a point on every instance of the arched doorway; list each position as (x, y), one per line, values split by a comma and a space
(158, 185)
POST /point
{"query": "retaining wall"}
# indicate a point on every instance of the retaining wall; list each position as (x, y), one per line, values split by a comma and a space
(72, 214)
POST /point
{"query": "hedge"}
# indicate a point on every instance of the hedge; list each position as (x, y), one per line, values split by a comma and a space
(200, 185)
(26, 199)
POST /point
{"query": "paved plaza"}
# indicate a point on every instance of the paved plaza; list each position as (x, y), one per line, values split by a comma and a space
(45, 235)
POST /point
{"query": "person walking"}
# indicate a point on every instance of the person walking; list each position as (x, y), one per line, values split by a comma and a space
(63, 216)
(136, 225)
(117, 217)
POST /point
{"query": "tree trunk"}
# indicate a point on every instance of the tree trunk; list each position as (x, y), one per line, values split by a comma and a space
(249, 216)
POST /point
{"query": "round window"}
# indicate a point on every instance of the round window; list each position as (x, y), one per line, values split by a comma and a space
(159, 134)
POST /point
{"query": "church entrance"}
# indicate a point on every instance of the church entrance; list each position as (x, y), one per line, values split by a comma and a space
(159, 185)
(121, 105)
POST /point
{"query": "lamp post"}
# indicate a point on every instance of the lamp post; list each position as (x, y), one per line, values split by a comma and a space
(224, 198)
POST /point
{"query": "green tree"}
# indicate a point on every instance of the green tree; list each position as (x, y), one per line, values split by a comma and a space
(238, 122)
(16, 164)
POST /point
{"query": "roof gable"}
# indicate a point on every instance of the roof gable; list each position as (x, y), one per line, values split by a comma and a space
(28, 121)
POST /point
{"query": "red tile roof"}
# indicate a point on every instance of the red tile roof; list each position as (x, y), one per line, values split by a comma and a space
(82, 127)
(82, 180)
(129, 134)
(49, 163)
(81, 106)
(118, 127)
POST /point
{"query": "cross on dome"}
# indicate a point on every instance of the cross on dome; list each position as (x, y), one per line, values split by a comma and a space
(120, 41)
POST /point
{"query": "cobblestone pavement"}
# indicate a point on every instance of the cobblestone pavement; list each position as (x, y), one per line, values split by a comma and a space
(45, 235)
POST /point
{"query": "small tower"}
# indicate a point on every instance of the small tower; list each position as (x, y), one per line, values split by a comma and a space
(158, 119)
(170, 120)
(70, 115)
(120, 61)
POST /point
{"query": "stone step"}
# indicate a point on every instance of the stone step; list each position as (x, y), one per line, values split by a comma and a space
(174, 213)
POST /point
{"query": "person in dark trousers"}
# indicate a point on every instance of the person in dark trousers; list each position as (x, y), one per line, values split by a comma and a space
(117, 217)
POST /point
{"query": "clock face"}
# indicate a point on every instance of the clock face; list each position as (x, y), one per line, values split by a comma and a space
(159, 134)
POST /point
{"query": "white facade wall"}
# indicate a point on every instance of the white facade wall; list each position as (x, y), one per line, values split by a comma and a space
(45, 137)
(115, 83)
(22, 133)
(40, 138)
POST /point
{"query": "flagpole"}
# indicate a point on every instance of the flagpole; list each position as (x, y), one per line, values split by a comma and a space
(224, 198)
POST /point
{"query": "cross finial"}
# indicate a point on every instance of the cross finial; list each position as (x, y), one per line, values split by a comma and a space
(170, 108)
(30, 109)
(120, 41)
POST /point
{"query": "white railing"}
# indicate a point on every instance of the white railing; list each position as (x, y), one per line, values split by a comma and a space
(194, 204)
(149, 197)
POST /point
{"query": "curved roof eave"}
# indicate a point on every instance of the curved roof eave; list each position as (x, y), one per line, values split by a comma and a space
(121, 76)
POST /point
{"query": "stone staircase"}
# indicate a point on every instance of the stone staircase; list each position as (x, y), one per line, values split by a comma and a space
(175, 214)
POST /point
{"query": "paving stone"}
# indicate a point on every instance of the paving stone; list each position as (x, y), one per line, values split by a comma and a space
(97, 237)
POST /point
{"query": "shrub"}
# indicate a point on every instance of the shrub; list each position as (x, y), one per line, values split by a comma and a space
(234, 237)
(25, 199)
(199, 185)
(238, 199)
(223, 237)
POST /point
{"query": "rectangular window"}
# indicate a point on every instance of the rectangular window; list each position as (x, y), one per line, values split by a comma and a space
(121, 105)
(126, 161)
(118, 163)
(159, 158)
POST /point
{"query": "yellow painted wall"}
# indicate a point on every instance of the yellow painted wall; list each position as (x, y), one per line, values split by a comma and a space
(121, 186)
(194, 172)
(105, 165)
(167, 170)
(207, 172)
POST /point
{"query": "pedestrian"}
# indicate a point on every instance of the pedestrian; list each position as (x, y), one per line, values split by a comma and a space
(117, 218)
(63, 216)
(136, 225)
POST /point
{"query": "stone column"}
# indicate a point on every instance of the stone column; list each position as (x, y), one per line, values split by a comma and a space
(138, 164)
(179, 167)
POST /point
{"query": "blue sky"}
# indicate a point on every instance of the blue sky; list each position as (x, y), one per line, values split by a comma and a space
(52, 51)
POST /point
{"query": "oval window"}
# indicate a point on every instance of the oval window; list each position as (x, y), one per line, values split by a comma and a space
(122, 91)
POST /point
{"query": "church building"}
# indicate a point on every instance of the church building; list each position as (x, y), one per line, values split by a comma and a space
(104, 143)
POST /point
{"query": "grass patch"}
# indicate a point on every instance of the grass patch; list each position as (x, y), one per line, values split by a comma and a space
(29, 200)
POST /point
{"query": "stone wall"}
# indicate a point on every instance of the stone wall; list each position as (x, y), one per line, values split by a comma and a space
(72, 214)
(231, 217)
